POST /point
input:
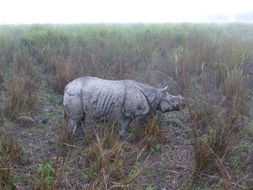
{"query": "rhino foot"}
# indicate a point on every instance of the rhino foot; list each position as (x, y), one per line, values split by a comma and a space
(123, 133)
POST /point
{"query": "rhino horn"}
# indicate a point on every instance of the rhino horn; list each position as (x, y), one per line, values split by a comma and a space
(164, 89)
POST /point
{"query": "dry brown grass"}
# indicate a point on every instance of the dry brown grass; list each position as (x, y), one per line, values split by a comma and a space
(63, 71)
(110, 162)
(10, 153)
(149, 133)
(1, 74)
(64, 137)
(217, 106)
(21, 95)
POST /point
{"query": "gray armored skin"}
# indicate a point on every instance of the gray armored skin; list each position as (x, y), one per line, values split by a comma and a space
(90, 99)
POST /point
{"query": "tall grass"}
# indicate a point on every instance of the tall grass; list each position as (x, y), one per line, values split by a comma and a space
(217, 96)
(108, 161)
(10, 153)
(121, 51)
(63, 71)
(21, 95)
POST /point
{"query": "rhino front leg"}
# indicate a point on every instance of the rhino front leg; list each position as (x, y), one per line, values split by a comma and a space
(124, 127)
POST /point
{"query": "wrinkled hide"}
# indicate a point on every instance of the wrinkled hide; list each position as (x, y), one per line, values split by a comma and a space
(91, 99)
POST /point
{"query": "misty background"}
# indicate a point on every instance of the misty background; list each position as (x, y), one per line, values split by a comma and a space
(131, 11)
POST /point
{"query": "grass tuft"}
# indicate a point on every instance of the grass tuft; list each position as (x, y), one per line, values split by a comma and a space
(149, 133)
(10, 153)
(107, 160)
(64, 138)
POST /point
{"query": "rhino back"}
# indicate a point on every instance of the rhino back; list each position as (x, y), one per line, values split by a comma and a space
(103, 99)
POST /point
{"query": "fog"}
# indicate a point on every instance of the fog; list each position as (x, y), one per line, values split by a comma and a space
(118, 11)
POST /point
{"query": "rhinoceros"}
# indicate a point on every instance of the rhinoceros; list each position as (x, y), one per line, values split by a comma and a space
(91, 99)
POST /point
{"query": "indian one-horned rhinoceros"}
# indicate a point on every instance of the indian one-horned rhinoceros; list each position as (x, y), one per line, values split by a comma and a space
(90, 99)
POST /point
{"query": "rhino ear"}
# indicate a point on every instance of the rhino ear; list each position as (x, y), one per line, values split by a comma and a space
(164, 89)
(135, 104)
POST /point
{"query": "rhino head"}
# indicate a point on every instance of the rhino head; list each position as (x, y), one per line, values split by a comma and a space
(169, 102)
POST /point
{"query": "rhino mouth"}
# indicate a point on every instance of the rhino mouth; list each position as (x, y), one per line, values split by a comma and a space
(177, 107)
(173, 108)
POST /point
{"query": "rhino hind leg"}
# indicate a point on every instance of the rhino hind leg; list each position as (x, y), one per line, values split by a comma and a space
(78, 129)
(78, 132)
(124, 127)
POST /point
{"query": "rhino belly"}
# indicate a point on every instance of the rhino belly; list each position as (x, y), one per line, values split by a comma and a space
(110, 113)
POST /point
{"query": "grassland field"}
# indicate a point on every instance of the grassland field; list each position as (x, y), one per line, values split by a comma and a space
(208, 145)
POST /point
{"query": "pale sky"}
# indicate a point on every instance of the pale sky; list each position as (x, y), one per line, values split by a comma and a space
(117, 11)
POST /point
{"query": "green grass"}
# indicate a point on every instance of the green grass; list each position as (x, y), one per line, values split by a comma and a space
(46, 176)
